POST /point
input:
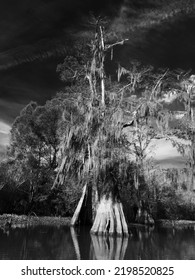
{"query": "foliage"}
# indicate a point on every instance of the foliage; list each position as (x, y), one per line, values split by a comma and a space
(169, 195)
(175, 205)
(186, 128)
(94, 138)
(33, 150)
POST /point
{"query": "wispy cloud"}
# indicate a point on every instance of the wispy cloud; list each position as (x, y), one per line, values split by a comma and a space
(4, 136)
(4, 128)
(47, 25)
(130, 19)
(40, 50)
(36, 30)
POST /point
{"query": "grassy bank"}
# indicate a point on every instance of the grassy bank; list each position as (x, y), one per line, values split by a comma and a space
(176, 223)
(23, 220)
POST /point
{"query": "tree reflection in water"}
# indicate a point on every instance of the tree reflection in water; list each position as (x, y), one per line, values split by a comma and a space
(64, 243)
(75, 243)
(108, 247)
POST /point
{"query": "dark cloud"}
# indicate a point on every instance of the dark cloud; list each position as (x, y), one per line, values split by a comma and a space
(36, 81)
(37, 29)
(170, 46)
(34, 39)
(40, 29)
(160, 33)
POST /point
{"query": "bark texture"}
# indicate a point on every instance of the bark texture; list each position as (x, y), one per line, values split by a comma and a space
(109, 218)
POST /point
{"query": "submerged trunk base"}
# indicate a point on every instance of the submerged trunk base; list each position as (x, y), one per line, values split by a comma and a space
(110, 219)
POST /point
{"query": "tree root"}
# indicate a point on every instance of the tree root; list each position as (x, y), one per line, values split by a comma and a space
(110, 219)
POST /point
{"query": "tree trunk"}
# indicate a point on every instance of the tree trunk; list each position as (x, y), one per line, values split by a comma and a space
(109, 218)
(83, 212)
(193, 162)
(192, 113)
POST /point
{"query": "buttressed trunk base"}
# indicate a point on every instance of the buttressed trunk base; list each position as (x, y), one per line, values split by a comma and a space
(109, 218)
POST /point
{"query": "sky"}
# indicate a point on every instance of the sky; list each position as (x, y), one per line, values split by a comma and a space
(34, 36)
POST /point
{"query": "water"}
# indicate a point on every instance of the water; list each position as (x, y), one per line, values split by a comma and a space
(63, 243)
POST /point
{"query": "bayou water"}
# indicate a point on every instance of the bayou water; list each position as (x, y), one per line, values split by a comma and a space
(64, 243)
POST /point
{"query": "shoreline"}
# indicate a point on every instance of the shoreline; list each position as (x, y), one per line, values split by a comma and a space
(175, 223)
(23, 221)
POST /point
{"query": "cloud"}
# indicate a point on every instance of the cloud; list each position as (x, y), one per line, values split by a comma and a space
(32, 30)
(161, 33)
(35, 81)
(134, 18)
(40, 50)
(165, 154)
(36, 30)
(4, 128)
(8, 112)
(4, 138)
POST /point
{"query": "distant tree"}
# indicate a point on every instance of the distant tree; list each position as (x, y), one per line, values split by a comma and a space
(186, 129)
(34, 146)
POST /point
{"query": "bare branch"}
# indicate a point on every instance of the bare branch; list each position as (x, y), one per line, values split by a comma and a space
(107, 47)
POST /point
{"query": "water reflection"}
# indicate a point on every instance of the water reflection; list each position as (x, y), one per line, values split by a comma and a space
(39, 242)
(108, 248)
(75, 243)
(44, 242)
